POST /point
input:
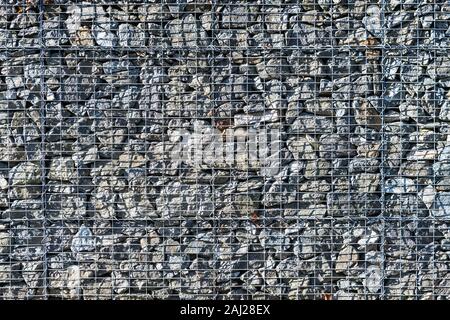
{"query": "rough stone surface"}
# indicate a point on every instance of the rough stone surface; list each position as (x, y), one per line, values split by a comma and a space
(116, 118)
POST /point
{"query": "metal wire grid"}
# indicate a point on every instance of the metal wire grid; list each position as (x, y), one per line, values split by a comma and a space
(95, 95)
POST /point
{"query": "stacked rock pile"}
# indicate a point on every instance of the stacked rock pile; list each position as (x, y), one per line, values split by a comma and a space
(204, 149)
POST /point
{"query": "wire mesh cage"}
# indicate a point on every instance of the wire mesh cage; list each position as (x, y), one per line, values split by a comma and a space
(199, 149)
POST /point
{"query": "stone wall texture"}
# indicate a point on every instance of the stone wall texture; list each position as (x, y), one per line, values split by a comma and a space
(126, 161)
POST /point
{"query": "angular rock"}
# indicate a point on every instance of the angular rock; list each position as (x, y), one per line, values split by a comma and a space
(373, 279)
(26, 173)
(400, 185)
(441, 206)
(347, 258)
(62, 169)
(102, 32)
(335, 146)
(83, 240)
(130, 36)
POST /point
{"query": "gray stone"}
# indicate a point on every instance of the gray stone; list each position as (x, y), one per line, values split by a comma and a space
(153, 12)
(347, 258)
(303, 147)
(322, 107)
(8, 273)
(317, 168)
(276, 20)
(5, 243)
(411, 72)
(440, 68)
(363, 165)
(302, 34)
(418, 168)
(20, 209)
(32, 274)
(62, 169)
(26, 173)
(102, 32)
(136, 206)
(54, 34)
(445, 112)
(129, 36)
(185, 200)
(441, 169)
(427, 195)
(66, 206)
(372, 21)
(444, 154)
(441, 205)
(308, 123)
(366, 182)
(278, 193)
(307, 246)
(237, 16)
(83, 240)
(335, 146)
(346, 200)
(272, 68)
(373, 279)
(400, 185)
(349, 204)
(366, 114)
(405, 204)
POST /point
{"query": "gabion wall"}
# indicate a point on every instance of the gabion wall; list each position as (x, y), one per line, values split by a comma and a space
(203, 149)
